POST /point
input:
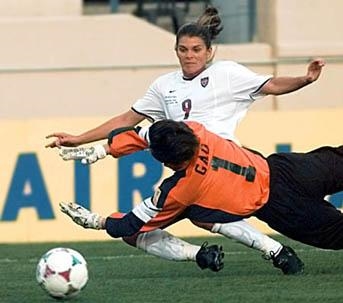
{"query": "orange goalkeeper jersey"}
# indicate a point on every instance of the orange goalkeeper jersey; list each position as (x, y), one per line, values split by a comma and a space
(222, 175)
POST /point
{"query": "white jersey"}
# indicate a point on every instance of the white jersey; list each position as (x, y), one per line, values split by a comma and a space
(219, 97)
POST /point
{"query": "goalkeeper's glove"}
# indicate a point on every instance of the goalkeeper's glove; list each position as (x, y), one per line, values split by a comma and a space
(87, 155)
(81, 216)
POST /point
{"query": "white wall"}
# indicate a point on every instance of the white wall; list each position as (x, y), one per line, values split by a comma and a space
(301, 28)
(89, 65)
(38, 8)
(98, 65)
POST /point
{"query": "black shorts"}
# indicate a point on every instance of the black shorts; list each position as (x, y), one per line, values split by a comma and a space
(297, 207)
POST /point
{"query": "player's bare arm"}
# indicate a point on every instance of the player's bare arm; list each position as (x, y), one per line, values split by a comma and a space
(101, 132)
(314, 69)
(284, 85)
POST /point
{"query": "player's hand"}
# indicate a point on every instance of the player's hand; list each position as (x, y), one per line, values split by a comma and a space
(314, 69)
(62, 139)
(81, 216)
(87, 155)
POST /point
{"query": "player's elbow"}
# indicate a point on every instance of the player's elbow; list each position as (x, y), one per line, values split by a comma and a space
(123, 227)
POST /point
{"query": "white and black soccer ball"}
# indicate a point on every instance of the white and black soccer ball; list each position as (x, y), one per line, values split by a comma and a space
(62, 272)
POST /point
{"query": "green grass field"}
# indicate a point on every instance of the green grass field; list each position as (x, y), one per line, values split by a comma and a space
(119, 273)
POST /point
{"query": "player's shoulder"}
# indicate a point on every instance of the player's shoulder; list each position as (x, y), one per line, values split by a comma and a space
(166, 82)
(171, 76)
(223, 66)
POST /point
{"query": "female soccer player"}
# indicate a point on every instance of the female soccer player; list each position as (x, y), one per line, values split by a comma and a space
(217, 94)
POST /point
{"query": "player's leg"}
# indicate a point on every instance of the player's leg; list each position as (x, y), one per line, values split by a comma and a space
(314, 174)
(244, 233)
(332, 157)
(160, 243)
(283, 257)
(325, 227)
(312, 221)
(241, 231)
(296, 207)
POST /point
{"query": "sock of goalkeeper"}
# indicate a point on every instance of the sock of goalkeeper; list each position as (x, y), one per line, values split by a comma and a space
(244, 233)
(164, 245)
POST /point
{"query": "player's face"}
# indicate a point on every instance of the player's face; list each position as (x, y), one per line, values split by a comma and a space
(193, 55)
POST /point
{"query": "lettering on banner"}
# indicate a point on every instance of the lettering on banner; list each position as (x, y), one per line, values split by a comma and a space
(28, 189)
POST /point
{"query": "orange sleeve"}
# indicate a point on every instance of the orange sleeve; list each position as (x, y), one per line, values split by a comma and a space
(125, 141)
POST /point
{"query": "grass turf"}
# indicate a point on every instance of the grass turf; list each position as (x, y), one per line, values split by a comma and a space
(119, 273)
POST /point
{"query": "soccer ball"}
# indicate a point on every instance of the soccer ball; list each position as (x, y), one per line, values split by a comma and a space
(62, 272)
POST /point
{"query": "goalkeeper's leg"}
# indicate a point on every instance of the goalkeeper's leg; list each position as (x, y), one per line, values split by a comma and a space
(162, 244)
(244, 233)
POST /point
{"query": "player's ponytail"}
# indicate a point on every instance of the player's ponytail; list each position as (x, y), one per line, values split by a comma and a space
(210, 19)
(207, 27)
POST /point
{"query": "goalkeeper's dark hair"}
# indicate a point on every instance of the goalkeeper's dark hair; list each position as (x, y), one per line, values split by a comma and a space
(172, 142)
(207, 27)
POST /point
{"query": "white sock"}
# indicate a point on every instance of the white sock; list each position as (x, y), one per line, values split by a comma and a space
(164, 245)
(244, 233)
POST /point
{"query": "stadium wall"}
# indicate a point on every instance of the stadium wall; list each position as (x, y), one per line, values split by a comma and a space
(69, 64)
(64, 65)
(39, 8)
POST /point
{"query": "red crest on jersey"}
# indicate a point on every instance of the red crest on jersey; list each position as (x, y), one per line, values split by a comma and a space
(204, 81)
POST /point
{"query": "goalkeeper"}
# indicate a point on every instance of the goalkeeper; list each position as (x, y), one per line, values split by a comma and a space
(217, 94)
(215, 181)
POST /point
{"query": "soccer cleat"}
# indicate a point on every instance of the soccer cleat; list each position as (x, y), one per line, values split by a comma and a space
(210, 257)
(81, 215)
(288, 261)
